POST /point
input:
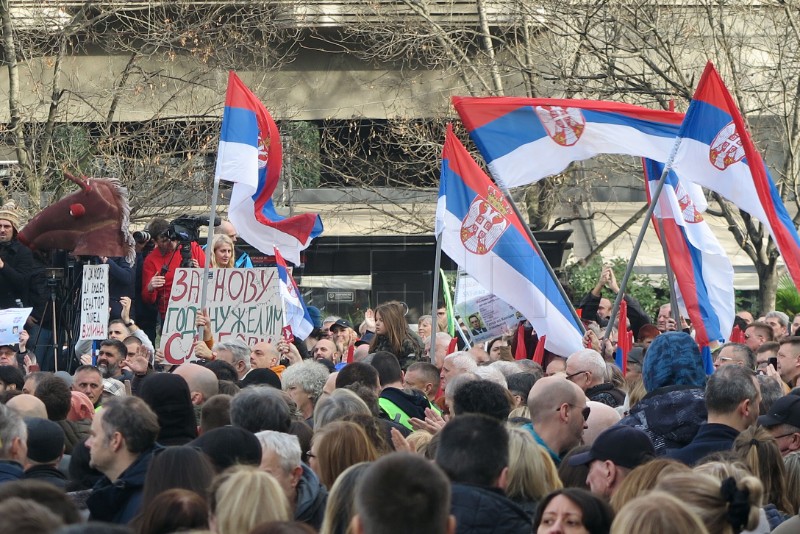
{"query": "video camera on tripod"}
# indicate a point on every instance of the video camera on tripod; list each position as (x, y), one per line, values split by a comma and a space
(185, 229)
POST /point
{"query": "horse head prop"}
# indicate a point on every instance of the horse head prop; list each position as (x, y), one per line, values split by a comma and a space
(90, 222)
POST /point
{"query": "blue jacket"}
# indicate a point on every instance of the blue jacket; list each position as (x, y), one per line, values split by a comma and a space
(120, 501)
(712, 437)
(487, 511)
(311, 499)
(10, 471)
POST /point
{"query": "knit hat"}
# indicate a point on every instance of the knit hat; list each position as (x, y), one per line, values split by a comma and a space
(80, 408)
(9, 213)
(673, 359)
(45, 440)
(229, 445)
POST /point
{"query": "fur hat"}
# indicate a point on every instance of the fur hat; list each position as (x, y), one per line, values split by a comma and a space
(9, 213)
(673, 359)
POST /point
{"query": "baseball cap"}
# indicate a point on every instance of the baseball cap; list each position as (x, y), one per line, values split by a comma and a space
(340, 323)
(114, 387)
(784, 411)
(625, 446)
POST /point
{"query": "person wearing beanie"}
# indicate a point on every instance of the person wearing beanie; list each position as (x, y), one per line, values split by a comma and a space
(16, 260)
(674, 408)
(45, 450)
(229, 445)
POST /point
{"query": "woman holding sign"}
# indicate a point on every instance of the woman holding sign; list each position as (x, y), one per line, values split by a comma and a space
(223, 256)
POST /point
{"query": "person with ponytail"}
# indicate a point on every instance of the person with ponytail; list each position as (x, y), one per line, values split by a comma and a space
(728, 507)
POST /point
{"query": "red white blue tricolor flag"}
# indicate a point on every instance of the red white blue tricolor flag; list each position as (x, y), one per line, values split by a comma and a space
(526, 139)
(295, 313)
(480, 231)
(716, 152)
(250, 155)
(703, 272)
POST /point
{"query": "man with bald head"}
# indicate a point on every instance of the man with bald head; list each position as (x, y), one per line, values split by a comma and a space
(325, 349)
(242, 258)
(28, 406)
(265, 356)
(559, 411)
(203, 383)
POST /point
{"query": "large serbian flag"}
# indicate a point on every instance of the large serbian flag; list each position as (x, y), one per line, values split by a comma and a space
(480, 231)
(250, 155)
(526, 139)
(716, 152)
(703, 272)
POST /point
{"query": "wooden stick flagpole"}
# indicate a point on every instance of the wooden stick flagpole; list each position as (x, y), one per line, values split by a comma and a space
(209, 250)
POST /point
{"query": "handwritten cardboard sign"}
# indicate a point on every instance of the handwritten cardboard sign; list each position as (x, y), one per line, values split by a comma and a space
(243, 304)
(94, 302)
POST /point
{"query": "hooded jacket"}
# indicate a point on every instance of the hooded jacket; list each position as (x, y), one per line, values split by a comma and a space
(311, 499)
(169, 397)
(119, 501)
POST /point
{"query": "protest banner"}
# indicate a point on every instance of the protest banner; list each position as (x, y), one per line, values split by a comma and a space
(94, 302)
(12, 321)
(242, 304)
(484, 314)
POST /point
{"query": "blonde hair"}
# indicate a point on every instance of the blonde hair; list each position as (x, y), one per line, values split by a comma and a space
(420, 439)
(340, 508)
(531, 472)
(757, 449)
(792, 463)
(218, 240)
(243, 497)
(644, 478)
(520, 411)
(636, 393)
(657, 512)
(702, 494)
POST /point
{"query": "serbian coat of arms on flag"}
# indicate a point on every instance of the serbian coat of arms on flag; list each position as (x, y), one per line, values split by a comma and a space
(485, 221)
(563, 125)
(726, 148)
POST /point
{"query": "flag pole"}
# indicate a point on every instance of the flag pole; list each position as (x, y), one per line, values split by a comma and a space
(209, 249)
(673, 300)
(635, 252)
(437, 262)
(546, 263)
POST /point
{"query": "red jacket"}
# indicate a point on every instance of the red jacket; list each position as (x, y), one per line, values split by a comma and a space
(152, 266)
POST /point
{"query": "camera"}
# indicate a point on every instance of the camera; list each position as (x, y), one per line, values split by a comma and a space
(185, 229)
(141, 237)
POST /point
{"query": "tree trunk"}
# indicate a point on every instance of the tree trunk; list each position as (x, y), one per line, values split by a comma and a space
(768, 284)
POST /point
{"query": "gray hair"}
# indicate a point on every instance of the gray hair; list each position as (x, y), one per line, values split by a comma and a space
(492, 374)
(463, 361)
(239, 350)
(336, 405)
(424, 319)
(507, 368)
(285, 446)
(727, 387)
(744, 352)
(11, 426)
(589, 360)
(457, 381)
(309, 375)
(780, 316)
(258, 408)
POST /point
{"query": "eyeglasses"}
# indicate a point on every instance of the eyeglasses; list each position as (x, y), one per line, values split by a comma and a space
(783, 435)
(585, 411)
(573, 375)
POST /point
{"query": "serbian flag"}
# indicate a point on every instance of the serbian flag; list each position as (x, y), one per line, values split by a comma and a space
(716, 152)
(703, 272)
(526, 139)
(295, 314)
(480, 231)
(250, 155)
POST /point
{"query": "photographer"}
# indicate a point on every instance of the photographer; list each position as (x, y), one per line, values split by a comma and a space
(173, 246)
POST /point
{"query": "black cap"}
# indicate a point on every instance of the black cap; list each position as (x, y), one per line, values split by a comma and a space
(45, 440)
(262, 376)
(625, 446)
(340, 323)
(784, 411)
(229, 445)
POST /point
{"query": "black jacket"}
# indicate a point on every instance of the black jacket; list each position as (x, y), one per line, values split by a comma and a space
(636, 314)
(711, 437)
(46, 473)
(119, 501)
(607, 394)
(487, 511)
(15, 274)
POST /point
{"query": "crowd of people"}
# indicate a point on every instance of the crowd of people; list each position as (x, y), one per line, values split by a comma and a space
(386, 427)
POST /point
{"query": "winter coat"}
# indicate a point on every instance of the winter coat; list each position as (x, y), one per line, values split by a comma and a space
(486, 511)
(311, 499)
(119, 501)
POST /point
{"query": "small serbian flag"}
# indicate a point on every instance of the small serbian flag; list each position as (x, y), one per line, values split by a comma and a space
(295, 315)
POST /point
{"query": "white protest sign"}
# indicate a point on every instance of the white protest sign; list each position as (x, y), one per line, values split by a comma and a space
(243, 304)
(94, 302)
(484, 314)
(12, 321)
